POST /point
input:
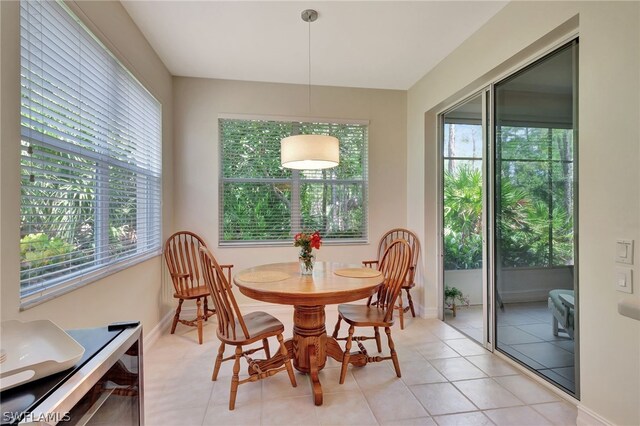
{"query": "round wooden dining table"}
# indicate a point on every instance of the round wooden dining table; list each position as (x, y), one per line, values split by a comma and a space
(330, 283)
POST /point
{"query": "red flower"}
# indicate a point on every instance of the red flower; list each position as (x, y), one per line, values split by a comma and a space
(316, 240)
(307, 242)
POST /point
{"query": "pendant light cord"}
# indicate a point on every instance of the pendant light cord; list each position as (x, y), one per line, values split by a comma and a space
(309, 69)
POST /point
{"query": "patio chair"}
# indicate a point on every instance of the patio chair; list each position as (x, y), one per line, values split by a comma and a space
(561, 303)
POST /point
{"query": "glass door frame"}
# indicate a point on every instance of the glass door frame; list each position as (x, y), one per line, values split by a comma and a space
(487, 292)
(492, 155)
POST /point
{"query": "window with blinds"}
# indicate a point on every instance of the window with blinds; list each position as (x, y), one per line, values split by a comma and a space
(91, 157)
(263, 203)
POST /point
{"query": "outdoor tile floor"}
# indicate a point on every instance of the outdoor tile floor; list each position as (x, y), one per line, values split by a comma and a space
(447, 380)
(525, 332)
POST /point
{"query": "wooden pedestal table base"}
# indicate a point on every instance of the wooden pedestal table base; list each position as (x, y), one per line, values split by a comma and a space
(310, 345)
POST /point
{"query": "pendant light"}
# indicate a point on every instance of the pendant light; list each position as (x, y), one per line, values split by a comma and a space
(309, 152)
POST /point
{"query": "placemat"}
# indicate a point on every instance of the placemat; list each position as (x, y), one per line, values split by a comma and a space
(263, 276)
(357, 272)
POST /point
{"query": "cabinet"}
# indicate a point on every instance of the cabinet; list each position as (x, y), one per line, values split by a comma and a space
(105, 387)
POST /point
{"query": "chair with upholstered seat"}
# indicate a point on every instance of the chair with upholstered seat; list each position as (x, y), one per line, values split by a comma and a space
(412, 239)
(237, 330)
(181, 252)
(394, 265)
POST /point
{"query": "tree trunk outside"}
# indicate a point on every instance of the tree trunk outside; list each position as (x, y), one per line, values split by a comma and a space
(452, 146)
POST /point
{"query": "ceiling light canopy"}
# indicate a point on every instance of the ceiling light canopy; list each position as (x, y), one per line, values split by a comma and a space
(309, 152)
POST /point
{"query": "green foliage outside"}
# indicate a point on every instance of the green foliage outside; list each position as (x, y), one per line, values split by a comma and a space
(38, 250)
(59, 212)
(463, 218)
(261, 201)
(534, 212)
(75, 210)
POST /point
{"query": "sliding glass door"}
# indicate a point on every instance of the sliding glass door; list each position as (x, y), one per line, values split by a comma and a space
(535, 216)
(509, 217)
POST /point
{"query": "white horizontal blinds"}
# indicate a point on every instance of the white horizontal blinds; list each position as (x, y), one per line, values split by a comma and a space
(334, 200)
(255, 192)
(262, 202)
(91, 154)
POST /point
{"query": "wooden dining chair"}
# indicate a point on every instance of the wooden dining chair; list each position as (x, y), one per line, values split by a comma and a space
(181, 252)
(237, 330)
(394, 265)
(412, 239)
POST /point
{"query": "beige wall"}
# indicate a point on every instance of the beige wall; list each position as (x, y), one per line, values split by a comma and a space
(609, 176)
(199, 102)
(135, 293)
(609, 173)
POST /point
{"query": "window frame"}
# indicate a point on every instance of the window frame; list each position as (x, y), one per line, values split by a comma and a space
(296, 181)
(148, 180)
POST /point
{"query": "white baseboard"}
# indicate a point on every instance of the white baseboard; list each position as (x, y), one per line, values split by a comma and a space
(152, 337)
(587, 417)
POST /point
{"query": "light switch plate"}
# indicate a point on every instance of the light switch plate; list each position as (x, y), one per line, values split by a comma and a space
(623, 279)
(624, 251)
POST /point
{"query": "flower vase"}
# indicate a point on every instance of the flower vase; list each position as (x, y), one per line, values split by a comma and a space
(306, 264)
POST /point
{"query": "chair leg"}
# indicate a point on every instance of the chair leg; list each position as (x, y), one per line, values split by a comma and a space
(235, 379)
(347, 355)
(287, 361)
(199, 319)
(401, 311)
(376, 330)
(555, 326)
(413, 312)
(206, 309)
(216, 368)
(265, 346)
(337, 328)
(176, 317)
(394, 355)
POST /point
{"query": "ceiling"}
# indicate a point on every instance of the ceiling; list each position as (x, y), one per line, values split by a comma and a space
(372, 44)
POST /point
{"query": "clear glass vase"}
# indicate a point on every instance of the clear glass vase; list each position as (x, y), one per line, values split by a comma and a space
(306, 264)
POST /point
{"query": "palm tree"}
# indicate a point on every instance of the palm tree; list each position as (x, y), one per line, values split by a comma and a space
(463, 218)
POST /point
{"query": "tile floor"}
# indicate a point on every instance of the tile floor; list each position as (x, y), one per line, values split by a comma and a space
(525, 332)
(447, 380)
